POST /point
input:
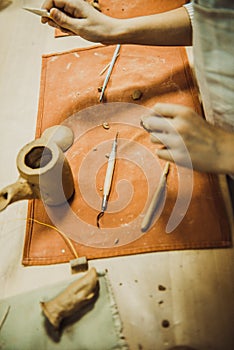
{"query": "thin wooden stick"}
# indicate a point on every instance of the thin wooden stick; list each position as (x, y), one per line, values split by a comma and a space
(107, 66)
(4, 316)
(109, 71)
(39, 12)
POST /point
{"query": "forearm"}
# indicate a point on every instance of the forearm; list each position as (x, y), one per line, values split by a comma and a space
(80, 18)
(164, 29)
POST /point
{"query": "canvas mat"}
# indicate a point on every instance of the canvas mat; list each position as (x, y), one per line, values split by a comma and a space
(69, 95)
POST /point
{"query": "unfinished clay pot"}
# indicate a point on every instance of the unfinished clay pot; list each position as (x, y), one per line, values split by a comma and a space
(44, 170)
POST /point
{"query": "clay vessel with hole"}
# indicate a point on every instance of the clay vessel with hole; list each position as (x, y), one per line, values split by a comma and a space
(44, 171)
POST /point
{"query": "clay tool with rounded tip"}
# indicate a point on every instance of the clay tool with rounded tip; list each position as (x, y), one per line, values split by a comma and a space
(115, 55)
(108, 179)
(156, 200)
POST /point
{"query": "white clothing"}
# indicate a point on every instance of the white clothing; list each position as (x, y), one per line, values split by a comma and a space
(213, 43)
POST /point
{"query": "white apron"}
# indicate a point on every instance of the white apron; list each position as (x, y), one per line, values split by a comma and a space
(213, 42)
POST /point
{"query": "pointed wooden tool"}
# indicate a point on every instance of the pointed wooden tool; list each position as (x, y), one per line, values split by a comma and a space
(39, 12)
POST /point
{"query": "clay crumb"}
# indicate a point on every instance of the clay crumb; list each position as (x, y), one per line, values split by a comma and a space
(95, 4)
(165, 324)
(106, 125)
(161, 287)
(136, 95)
(99, 89)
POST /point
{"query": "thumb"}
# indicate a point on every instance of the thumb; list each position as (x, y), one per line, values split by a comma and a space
(63, 20)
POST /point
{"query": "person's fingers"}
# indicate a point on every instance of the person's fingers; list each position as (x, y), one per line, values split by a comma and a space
(54, 25)
(170, 110)
(63, 11)
(64, 21)
(154, 138)
(48, 4)
(44, 20)
(60, 4)
(165, 154)
(168, 140)
(156, 123)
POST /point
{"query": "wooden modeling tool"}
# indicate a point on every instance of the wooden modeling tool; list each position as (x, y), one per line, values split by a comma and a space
(156, 200)
(115, 55)
(39, 12)
(108, 179)
(106, 67)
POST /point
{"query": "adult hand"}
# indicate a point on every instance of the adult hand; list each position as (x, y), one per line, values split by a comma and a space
(78, 17)
(181, 132)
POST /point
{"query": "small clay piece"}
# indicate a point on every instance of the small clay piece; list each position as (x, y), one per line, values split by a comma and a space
(95, 4)
(136, 95)
(77, 295)
(21, 189)
(106, 125)
(44, 170)
(61, 135)
(161, 287)
(100, 89)
(165, 324)
(79, 264)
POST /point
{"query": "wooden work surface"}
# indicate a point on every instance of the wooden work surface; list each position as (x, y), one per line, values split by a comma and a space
(199, 297)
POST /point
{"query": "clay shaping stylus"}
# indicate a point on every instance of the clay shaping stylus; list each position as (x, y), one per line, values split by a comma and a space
(39, 12)
(108, 179)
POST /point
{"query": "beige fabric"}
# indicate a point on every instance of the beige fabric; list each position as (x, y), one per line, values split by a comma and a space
(95, 327)
(214, 62)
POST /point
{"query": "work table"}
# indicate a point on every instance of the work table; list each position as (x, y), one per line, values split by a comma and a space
(198, 298)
